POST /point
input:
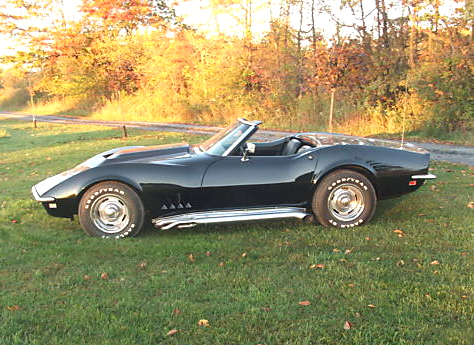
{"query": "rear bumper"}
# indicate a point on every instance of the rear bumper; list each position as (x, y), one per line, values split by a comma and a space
(423, 177)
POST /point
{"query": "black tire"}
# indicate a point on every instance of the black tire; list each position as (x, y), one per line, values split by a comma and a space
(344, 199)
(111, 210)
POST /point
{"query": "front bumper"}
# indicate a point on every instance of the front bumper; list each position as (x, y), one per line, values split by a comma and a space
(39, 198)
(63, 208)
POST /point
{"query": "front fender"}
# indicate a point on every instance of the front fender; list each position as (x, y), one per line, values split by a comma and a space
(77, 184)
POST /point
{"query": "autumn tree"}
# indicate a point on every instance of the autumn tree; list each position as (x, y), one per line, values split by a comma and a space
(341, 66)
(125, 16)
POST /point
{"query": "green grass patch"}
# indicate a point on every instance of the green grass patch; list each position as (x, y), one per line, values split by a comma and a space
(59, 286)
(3, 133)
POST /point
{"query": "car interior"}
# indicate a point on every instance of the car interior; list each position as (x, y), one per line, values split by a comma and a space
(281, 147)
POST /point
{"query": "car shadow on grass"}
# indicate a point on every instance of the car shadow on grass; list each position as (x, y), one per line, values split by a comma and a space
(383, 207)
(149, 230)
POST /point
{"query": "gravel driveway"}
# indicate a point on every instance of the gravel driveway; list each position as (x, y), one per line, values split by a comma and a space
(441, 152)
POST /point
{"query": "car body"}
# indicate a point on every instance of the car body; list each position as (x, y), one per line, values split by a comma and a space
(337, 178)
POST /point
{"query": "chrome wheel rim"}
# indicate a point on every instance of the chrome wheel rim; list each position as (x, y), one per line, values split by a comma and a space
(346, 202)
(110, 213)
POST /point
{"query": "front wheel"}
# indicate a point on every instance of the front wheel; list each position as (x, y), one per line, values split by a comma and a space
(344, 199)
(111, 209)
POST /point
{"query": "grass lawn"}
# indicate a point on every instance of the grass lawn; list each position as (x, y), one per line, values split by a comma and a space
(368, 285)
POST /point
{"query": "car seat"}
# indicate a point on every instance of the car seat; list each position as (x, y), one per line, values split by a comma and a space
(291, 147)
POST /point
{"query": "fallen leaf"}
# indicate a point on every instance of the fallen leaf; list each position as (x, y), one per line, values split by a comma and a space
(357, 314)
(176, 311)
(347, 325)
(464, 297)
(221, 264)
(208, 253)
(267, 309)
(304, 303)
(104, 276)
(87, 277)
(399, 232)
(370, 305)
(203, 323)
(172, 332)
(434, 262)
(351, 285)
(142, 264)
(14, 221)
(15, 307)
(320, 266)
(367, 238)
(348, 251)
(335, 250)
(191, 257)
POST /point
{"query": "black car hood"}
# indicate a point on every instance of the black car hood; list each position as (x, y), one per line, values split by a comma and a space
(158, 152)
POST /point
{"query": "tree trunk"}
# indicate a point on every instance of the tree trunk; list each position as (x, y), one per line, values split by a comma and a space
(300, 53)
(385, 25)
(331, 110)
(313, 26)
(411, 52)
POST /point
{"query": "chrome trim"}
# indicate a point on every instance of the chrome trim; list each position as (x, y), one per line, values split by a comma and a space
(346, 202)
(110, 213)
(235, 215)
(246, 122)
(238, 141)
(250, 149)
(423, 177)
(38, 198)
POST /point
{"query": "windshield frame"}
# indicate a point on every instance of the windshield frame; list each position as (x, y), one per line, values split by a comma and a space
(211, 146)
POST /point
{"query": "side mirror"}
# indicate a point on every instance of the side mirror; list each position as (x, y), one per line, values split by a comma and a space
(249, 149)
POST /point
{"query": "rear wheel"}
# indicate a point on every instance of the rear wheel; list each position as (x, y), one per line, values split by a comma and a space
(344, 199)
(111, 209)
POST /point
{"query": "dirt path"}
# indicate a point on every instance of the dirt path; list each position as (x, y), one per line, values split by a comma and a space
(442, 152)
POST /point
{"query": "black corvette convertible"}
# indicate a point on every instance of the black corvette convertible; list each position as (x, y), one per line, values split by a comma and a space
(336, 178)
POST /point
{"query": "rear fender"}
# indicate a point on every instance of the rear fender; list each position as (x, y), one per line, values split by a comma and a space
(360, 167)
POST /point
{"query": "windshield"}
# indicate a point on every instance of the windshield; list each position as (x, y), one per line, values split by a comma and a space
(225, 139)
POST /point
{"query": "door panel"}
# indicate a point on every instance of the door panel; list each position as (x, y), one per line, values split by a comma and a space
(260, 181)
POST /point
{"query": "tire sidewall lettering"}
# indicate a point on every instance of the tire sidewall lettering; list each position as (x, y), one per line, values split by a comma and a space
(345, 180)
(101, 191)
